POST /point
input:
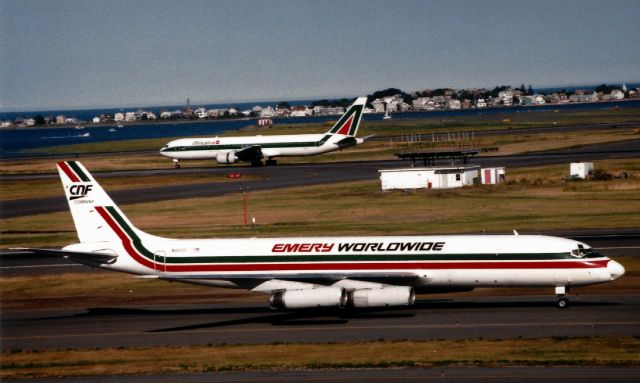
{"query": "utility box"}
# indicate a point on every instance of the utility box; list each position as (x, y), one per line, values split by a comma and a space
(580, 169)
(492, 176)
(429, 178)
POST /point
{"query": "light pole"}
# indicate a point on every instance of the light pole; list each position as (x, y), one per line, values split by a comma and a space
(244, 198)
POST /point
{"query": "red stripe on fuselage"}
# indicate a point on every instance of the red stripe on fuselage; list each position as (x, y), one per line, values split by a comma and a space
(347, 266)
(126, 241)
(70, 173)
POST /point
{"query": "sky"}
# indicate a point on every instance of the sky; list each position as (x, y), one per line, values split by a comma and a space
(59, 54)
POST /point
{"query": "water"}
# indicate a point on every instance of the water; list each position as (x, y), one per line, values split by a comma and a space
(14, 142)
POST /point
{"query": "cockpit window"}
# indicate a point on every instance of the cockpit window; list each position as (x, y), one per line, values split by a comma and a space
(581, 252)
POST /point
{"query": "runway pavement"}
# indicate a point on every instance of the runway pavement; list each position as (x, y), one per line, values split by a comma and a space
(581, 374)
(282, 176)
(459, 318)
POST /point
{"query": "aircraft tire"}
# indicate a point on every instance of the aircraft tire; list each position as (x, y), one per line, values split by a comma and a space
(562, 303)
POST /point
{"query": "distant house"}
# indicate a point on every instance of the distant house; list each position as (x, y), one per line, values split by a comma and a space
(420, 103)
(165, 115)
(617, 94)
(319, 110)
(283, 112)
(61, 119)
(536, 99)
(335, 110)
(481, 103)
(506, 97)
(96, 120)
(118, 117)
(301, 111)
(267, 112)
(454, 104)
(200, 112)
(584, 96)
(378, 106)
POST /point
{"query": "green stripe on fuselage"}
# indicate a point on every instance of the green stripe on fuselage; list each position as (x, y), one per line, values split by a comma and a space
(350, 257)
(238, 147)
(135, 240)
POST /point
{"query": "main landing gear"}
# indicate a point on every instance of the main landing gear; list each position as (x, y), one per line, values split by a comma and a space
(269, 162)
(563, 301)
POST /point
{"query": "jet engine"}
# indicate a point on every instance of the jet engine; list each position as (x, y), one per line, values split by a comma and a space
(226, 158)
(385, 296)
(317, 297)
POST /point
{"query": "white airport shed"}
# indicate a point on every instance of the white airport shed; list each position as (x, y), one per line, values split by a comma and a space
(491, 176)
(580, 169)
(429, 177)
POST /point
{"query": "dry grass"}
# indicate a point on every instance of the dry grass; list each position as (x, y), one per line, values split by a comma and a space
(535, 199)
(11, 190)
(599, 351)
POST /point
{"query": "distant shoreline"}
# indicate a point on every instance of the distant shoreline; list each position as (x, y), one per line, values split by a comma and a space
(252, 120)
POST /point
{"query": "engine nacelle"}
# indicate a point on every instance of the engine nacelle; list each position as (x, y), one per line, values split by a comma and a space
(226, 158)
(318, 297)
(385, 296)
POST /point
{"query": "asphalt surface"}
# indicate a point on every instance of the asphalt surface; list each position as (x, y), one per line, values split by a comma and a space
(375, 375)
(255, 323)
(289, 175)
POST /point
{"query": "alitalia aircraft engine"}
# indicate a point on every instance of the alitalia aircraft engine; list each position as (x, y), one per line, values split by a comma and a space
(316, 297)
(385, 296)
(226, 158)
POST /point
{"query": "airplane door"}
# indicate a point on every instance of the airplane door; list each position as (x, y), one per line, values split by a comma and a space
(159, 261)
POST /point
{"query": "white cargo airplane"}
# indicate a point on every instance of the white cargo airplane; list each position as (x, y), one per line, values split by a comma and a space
(326, 271)
(229, 150)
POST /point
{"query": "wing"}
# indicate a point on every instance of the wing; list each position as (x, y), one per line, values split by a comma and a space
(249, 153)
(86, 258)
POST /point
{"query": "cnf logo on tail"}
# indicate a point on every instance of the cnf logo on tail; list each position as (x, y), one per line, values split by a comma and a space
(79, 191)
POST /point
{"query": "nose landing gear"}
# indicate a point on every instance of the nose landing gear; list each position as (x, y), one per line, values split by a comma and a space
(563, 301)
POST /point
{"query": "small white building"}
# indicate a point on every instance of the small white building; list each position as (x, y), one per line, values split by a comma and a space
(492, 176)
(580, 169)
(429, 178)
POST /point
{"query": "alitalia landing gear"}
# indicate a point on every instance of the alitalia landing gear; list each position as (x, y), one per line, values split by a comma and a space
(176, 163)
(563, 301)
(270, 162)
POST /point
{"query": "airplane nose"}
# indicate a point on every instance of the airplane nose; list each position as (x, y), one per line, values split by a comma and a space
(615, 269)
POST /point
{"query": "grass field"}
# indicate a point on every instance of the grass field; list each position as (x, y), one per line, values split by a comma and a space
(361, 208)
(599, 351)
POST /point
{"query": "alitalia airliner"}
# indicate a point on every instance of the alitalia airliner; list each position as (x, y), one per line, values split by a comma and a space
(304, 272)
(229, 150)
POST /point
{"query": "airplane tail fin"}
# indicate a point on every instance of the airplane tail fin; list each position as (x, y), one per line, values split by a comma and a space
(94, 213)
(348, 124)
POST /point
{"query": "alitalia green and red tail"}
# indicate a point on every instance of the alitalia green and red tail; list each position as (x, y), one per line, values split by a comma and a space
(348, 124)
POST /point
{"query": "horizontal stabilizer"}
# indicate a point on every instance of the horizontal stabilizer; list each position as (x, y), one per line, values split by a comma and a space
(365, 138)
(347, 142)
(86, 258)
